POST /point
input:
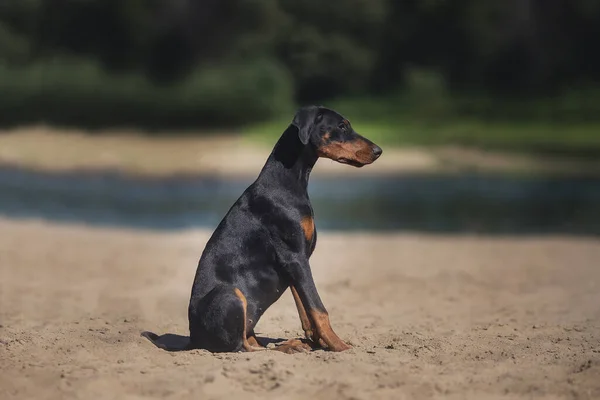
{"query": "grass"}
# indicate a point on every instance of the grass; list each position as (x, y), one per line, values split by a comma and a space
(236, 98)
(380, 121)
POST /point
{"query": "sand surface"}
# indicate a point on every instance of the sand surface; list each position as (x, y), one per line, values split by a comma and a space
(429, 317)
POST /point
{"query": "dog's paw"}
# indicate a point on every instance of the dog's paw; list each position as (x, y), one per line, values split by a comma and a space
(341, 346)
(293, 346)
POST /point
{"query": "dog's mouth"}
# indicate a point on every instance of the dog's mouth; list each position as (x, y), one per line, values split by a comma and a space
(348, 161)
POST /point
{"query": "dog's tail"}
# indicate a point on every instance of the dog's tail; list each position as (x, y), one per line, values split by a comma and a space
(168, 342)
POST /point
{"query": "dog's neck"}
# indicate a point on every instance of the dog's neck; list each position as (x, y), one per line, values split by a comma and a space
(290, 162)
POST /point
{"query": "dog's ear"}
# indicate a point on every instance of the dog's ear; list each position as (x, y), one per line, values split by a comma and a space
(305, 120)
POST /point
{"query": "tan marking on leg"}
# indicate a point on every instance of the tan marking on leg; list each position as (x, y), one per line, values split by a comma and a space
(246, 344)
(306, 324)
(325, 332)
(308, 226)
(253, 341)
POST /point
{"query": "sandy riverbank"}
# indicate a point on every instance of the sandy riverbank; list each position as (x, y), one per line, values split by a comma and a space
(132, 152)
(429, 317)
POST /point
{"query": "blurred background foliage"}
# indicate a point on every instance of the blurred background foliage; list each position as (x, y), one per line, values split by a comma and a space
(230, 63)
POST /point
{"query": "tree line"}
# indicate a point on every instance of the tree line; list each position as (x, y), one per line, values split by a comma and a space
(326, 48)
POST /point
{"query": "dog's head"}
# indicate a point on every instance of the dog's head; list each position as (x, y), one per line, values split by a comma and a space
(332, 136)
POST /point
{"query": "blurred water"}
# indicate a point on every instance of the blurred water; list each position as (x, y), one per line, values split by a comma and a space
(463, 203)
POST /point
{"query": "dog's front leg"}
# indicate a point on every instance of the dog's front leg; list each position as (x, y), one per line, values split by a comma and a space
(308, 299)
(307, 326)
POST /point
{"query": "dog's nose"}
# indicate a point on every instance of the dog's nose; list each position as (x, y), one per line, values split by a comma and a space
(377, 151)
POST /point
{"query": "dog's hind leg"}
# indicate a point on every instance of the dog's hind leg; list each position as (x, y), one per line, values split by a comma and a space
(245, 343)
(218, 321)
(253, 340)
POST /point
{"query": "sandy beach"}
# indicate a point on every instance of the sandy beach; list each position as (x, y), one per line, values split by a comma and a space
(429, 317)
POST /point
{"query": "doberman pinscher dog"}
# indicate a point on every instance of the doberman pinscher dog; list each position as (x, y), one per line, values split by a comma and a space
(263, 245)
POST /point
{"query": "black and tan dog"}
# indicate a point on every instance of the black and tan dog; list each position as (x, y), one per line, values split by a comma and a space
(264, 243)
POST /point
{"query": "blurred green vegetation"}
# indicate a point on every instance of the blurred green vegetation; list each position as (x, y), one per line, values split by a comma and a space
(522, 74)
(80, 93)
(391, 122)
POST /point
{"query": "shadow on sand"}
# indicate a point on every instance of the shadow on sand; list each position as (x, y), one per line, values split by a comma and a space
(172, 342)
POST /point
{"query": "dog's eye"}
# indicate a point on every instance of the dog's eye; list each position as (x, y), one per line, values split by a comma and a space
(343, 127)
